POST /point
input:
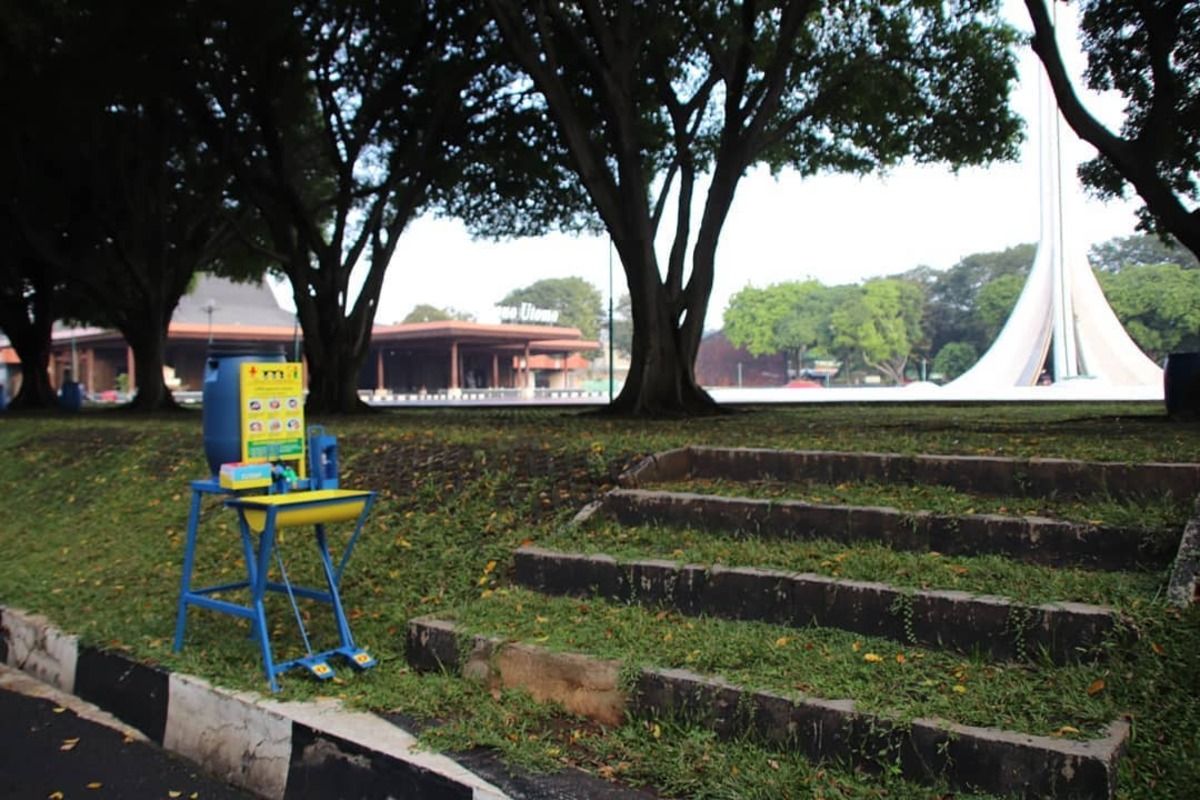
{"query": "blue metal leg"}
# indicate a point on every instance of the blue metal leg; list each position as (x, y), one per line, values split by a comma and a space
(189, 561)
(266, 544)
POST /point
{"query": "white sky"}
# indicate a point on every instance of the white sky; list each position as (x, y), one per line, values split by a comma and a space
(835, 228)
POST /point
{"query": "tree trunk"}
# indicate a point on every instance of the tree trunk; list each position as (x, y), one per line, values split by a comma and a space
(34, 351)
(29, 330)
(149, 351)
(333, 376)
(662, 371)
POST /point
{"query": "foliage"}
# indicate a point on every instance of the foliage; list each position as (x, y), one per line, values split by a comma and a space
(342, 121)
(1159, 305)
(647, 98)
(579, 304)
(954, 359)
(113, 196)
(954, 296)
(881, 324)
(1138, 250)
(423, 312)
(1146, 52)
(790, 318)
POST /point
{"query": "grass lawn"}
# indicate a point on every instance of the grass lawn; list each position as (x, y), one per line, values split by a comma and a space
(96, 505)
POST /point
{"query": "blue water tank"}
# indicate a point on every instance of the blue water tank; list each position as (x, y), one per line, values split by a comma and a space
(70, 396)
(1181, 385)
(222, 409)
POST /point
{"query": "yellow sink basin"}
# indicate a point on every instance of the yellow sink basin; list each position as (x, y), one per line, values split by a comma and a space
(321, 507)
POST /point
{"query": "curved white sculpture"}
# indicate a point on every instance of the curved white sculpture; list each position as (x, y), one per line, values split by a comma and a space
(1061, 310)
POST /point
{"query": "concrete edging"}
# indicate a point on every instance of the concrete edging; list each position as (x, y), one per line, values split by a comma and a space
(1183, 587)
(276, 749)
(997, 626)
(924, 749)
(1031, 477)
(1032, 539)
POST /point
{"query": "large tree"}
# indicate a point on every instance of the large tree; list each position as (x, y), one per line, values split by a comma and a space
(385, 95)
(1145, 50)
(649, 97)
(111, 199)
(881, 325)
(1159, 305)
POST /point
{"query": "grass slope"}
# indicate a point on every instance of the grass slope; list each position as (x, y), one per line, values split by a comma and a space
(92, 535)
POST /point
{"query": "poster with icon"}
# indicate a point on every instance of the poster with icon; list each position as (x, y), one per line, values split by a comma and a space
(272, 395)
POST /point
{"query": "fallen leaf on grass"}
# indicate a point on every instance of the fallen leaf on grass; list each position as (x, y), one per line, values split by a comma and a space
(1095, 687)
(1065, 730)
(1158, 649)
(959, 688)
(872, 658)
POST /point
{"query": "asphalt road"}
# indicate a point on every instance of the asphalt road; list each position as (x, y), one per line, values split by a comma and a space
(54, 747)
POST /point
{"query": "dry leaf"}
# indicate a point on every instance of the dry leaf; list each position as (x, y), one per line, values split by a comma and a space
(782, 641)
(59, 709)
(491, 565)
(900, 659)
(174, 793)
(872, 658)
(1065, 729)
(959, 688)
(69, 744)
(856, 646)
(55, 796)
(1158, 649)
(95, 785)
(1095, 687)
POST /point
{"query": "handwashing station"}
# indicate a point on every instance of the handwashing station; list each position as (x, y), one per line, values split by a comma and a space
(274, 474)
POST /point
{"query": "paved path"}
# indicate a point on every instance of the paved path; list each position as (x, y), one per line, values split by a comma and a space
(55, 746)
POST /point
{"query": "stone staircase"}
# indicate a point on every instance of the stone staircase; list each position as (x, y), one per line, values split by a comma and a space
(989, 628)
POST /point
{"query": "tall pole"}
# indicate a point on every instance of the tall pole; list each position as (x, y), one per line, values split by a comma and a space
(611, 382)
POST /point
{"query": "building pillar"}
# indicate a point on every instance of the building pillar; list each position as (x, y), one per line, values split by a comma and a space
(379, 370)
(566, 370)
(129, 370)
(495, 370)
(526, 375)
(454, 388)
(89, 357)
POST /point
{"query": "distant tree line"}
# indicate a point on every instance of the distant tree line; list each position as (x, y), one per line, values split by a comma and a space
(948, 319)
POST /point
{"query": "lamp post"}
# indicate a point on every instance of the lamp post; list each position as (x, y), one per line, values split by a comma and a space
(209, 308)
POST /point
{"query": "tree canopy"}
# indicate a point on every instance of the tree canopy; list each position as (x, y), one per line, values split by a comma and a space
(1146, 51)
(648, 98)
(579, 304)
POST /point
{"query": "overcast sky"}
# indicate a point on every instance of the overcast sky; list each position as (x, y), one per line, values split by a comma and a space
(835, 228)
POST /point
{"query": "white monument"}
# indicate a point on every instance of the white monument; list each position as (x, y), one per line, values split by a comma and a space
(1061, 310)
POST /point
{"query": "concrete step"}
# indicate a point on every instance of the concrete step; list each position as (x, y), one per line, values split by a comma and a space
(1036, 540)
(997, 626)
(924, 750)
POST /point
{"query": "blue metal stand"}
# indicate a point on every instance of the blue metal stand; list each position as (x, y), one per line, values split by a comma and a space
(270, 514)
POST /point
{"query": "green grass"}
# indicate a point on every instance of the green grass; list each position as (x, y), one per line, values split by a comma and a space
(1153, 514)
(92, 536)
(864, 561)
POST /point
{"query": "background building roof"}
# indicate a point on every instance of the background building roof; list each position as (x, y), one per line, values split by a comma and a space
(232, 303)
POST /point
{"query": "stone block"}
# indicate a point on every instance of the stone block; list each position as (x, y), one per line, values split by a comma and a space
(570, 574)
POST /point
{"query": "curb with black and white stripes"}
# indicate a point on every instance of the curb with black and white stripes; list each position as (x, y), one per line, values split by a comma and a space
(278, 750)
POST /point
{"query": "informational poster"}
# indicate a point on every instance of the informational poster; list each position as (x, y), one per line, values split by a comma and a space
(272, 412)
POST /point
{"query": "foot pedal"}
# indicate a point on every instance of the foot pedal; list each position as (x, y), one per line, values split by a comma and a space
(320, 669)
(361, 659)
